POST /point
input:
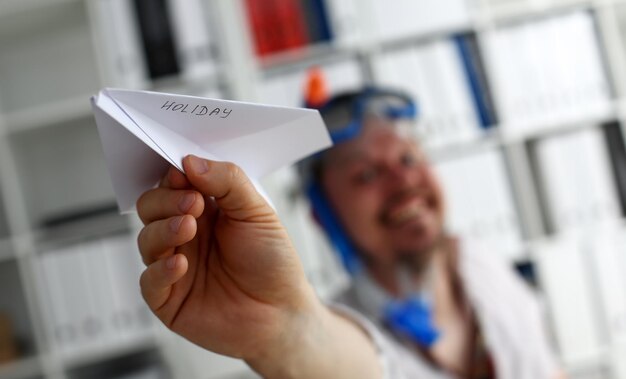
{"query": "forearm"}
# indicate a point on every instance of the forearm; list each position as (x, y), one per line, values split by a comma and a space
(326, 345)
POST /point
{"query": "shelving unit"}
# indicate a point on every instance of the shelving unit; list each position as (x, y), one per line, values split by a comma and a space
(55, 191)
(515, 146)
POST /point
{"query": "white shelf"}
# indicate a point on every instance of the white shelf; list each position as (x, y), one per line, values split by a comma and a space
(11, 8)
(192, 86)
(47, 57)
(526, 10)
(54, 113)
(296, 59)
(416, 39)
(556, 126)
(61, 169)
(495, 136)
(487, 139)
(80, 230)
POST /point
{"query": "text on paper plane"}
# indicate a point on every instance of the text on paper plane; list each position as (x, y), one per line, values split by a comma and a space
(196, 110)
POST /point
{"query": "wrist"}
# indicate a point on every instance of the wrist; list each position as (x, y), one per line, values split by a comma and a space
(298, 337)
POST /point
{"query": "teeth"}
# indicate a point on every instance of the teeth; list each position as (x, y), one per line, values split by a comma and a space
(406, 213)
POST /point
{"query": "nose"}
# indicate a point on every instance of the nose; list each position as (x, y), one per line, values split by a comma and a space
(400, 175)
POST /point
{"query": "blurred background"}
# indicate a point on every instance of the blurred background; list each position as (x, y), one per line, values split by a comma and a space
(522, 110)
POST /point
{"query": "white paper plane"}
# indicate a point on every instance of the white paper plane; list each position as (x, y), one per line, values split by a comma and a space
(142, 133)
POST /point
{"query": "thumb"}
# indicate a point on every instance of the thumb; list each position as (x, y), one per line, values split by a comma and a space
(233, 191)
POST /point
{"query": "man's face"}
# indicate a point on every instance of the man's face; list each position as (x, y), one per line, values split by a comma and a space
(385, 194)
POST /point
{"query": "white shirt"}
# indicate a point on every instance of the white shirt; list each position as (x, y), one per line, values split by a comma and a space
(508, 314)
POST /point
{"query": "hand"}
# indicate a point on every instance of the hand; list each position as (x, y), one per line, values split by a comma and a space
(221, 269)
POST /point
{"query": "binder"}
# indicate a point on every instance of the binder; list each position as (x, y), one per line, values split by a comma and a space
(115, 20)
(276, 25)
(80, 308)
(94, 325)
(468, 97)
(91, 292)
(258, 15)
(598, 192)
(614, 139)
(433, 74)
(467, 47)
(132, 314)
(480, 205)
(577, 183)
(156, 37)
(537, 84)
(609, 271)
(554, 188)
(101, 288)
(316, 20)
(506, 228)
(563, 269)
(61, 324)
(459, 213)
(400, 69)
(290, 19)
(346, 22)
(192, 38)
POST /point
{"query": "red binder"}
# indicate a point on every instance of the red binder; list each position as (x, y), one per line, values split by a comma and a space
(276, 25)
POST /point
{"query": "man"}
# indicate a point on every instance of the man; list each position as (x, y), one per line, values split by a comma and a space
(442, 305)
(222, 272)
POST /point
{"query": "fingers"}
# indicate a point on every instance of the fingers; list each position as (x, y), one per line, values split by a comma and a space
(159, 238)
(174, 179)
(157, 280)
(228, 184)
(161, 203)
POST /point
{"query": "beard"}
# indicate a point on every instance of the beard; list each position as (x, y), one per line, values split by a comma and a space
(417, 261)
(414, 261)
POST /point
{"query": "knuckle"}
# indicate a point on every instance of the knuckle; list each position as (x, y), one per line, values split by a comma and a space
(233, 171)
(143, 205)
(143, 280)
(144, 283)
(236, 175)
(140, 239)
(141, 244)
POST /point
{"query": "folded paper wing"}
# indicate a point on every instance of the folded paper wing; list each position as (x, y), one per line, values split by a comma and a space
(142, 133)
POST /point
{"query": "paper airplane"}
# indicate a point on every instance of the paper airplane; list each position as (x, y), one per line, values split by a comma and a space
(142, 133)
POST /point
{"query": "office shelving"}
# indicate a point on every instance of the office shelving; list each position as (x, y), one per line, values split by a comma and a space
(54, 188)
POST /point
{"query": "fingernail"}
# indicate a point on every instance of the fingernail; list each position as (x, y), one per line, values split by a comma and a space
(170, 263)
(198, 165)
(175, 224)
(186, 202)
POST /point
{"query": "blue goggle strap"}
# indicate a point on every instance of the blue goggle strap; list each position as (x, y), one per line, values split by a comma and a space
(333, 229)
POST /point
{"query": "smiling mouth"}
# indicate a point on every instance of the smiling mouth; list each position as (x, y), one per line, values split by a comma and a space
(401, 215)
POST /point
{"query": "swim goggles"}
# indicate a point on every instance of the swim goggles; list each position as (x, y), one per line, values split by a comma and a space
(344, 116)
